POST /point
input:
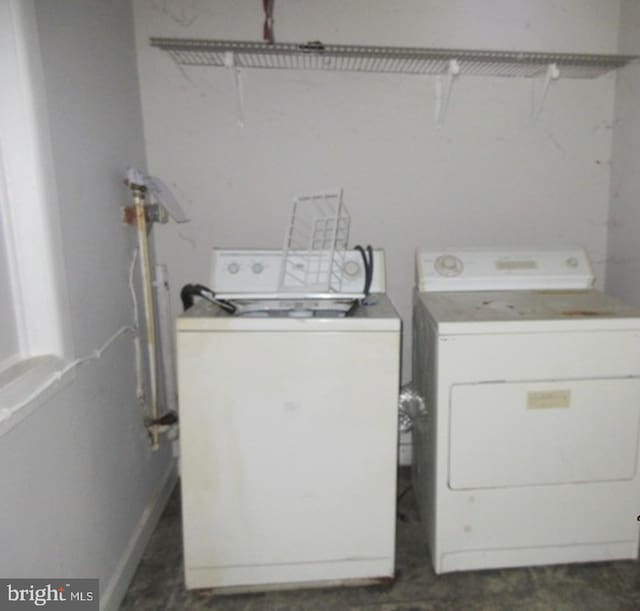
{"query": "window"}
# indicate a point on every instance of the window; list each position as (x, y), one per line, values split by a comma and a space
(35, 320)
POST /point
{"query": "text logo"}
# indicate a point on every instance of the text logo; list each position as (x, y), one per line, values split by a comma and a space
(55, 594)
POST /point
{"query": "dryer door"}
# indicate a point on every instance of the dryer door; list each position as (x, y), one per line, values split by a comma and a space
(543, 432)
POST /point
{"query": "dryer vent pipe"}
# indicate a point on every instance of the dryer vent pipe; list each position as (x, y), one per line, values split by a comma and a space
(410, 407)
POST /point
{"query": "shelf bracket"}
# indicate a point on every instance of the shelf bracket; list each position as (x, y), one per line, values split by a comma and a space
(552, 74)
(230, 64)
(443, 89)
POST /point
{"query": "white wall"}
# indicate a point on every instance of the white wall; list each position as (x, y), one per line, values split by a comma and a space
(623, 268)
(487, 177)
(80, 485)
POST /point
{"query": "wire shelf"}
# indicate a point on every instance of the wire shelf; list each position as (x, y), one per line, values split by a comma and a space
(398, 60)
(315, 244)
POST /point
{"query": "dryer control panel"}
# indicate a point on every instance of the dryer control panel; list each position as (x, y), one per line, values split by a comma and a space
(489, 270)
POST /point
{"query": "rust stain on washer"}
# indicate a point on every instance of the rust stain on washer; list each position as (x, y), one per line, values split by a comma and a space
(584, 313)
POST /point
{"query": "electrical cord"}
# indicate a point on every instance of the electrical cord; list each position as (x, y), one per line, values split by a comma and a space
(400, 514)
(404, 492)
(267, 28)
(56, 376)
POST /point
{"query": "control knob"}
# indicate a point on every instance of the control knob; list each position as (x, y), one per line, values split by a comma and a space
(351, 268)
(448, 265)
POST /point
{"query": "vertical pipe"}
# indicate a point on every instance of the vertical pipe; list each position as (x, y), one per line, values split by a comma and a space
(145, 267)
(165, 332)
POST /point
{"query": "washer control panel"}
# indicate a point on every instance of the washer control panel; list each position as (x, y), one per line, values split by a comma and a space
(258, 271)
(469, 270)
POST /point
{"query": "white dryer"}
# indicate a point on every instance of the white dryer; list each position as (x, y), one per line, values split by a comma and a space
(527, 451)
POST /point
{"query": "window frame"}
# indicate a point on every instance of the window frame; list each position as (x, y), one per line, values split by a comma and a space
(30, 209)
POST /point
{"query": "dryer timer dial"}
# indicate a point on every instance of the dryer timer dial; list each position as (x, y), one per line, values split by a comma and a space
(448, 265)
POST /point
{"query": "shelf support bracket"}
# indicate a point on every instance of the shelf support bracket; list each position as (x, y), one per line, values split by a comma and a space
(552, 74)
(230, 64)
(443, 89)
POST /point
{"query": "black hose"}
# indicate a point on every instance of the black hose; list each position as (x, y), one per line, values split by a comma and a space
(367, 260)
(189, 291)
(186, 296)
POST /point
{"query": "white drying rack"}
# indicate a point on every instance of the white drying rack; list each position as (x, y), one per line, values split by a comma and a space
(315, 244)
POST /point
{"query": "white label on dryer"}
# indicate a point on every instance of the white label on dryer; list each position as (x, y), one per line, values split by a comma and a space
(546, 399)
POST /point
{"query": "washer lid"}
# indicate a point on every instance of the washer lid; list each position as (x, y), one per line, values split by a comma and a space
(485, 270)
(527, 311)
(379, 316)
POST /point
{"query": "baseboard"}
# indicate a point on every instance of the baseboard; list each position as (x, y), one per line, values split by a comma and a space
(111, 596)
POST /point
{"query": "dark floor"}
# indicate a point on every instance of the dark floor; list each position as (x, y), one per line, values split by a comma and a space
(159, 583)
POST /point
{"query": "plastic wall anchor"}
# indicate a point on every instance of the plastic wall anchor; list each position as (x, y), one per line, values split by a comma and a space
(230, 64)
(552, 74)
(443, 89)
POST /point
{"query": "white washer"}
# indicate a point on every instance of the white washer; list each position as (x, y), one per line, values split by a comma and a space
(288, 432)
(527, 452)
